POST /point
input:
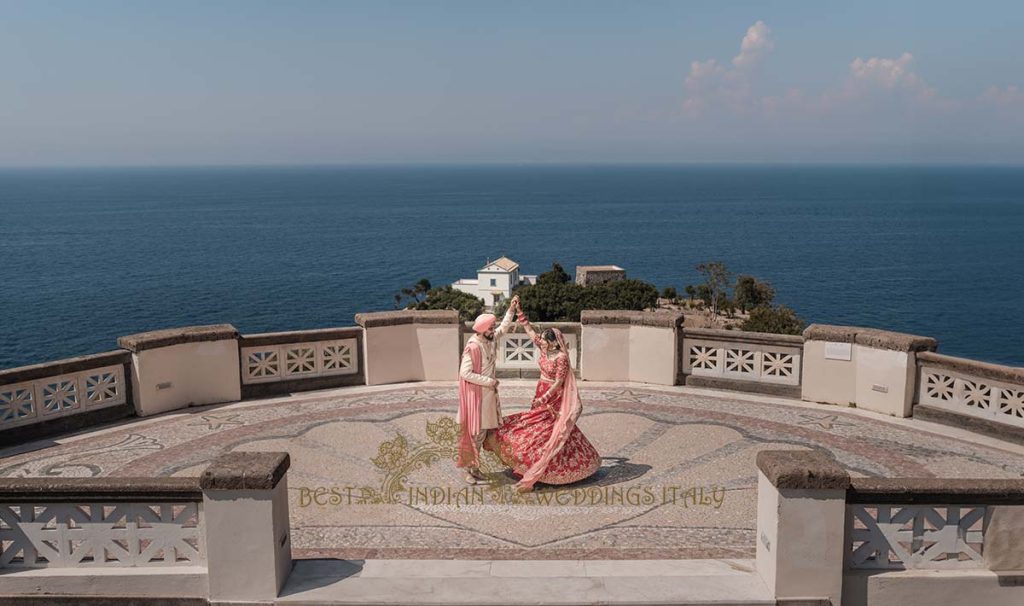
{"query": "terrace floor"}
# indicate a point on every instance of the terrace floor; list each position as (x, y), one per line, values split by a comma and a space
(678, 478)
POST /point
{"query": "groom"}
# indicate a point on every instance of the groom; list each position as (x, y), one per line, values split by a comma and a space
(479, 408)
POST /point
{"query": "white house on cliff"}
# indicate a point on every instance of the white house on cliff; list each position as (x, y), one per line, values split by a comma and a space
(494, 281)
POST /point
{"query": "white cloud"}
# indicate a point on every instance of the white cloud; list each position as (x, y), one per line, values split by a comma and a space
(891, 74)
(710, 84)
(756, 44)
(886, 85)
(1009, 96)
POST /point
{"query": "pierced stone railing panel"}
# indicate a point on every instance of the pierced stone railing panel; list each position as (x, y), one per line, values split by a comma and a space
(288, 361)
(743, 361)
(915, 536)
(61, 395)
(971, 395)
(97, 534)
(517, 351)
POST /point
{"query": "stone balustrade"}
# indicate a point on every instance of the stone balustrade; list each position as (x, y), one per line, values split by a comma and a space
(284, 362)
(61, 396)
(156, 372)
(885, 541)
(743, 361)
(223, 535)
(986, 397)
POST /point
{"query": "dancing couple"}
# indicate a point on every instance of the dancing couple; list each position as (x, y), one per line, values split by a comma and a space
(542, 444)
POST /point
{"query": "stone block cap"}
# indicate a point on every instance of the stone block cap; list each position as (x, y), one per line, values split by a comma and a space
(936, 491)
(802, 469)
(176, 336)
(245, 471)
(662, 318)
(394, 318)
(77, 490)
(870, 337)
(996, 372)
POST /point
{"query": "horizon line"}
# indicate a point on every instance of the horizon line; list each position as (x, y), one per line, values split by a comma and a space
(514, 164)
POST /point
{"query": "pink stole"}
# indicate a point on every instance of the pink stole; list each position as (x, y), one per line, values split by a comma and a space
(470, 404)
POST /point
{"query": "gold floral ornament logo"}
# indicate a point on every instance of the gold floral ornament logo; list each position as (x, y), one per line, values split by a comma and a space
(398, 461)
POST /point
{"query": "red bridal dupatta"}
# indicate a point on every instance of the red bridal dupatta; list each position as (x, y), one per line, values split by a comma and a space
(568, 412)
(470, 404)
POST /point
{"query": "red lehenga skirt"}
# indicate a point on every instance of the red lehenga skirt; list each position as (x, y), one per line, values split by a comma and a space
(519, 442)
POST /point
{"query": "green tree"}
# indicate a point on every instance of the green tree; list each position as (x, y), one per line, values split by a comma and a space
(778, 319)
(727, 305)
(634, 295)
(750, 293)
(716, 278)
(563, 302)
(691, 292)
(501, 307)
(417, 292)
(669, 292)
(556, 275)
(551, 301)
(704, 294)
(446, 297)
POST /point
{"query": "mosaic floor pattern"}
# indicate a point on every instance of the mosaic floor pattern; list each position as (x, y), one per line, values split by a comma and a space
(371, 474)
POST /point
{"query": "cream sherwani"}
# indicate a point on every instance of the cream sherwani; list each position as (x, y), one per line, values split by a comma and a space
(490, 414)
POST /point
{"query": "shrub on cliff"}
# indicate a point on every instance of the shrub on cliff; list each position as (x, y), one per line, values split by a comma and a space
(446, 297)
(779, 319)
(554, 301)
(556, 275)
(750, 293)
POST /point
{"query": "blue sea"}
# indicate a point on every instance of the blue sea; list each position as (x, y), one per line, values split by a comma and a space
(87, 255)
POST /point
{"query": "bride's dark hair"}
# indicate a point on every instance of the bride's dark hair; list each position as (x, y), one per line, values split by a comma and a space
(549, 336)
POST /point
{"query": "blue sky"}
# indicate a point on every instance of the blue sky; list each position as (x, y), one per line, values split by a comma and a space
(141, 83)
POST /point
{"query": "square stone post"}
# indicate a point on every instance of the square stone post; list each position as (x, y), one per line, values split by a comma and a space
(400, 346)
(181, 367)
(873, 369)
(635, 346)
(801, 524)
(248, 542)
(1004, 536)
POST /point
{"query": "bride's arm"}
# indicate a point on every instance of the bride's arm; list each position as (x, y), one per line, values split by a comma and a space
(525, 322)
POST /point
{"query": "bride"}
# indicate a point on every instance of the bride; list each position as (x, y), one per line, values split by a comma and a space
(544, 444)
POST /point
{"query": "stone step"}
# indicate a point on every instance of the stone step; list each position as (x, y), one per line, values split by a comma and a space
(525, 582)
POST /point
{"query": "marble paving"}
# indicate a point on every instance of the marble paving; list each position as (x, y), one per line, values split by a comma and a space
(372, 477)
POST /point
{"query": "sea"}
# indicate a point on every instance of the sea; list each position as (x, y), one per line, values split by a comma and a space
(89, 254)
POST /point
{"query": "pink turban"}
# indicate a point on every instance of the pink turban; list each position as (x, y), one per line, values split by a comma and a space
(484, 322)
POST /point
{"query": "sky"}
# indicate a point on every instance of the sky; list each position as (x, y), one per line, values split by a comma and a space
(196, 83)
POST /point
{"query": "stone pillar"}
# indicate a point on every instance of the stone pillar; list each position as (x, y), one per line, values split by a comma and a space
(248, 543)
(400, 346)
(872, 369)
(182, 367)
(801, 524)
(635, 346)
(1004, 538)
